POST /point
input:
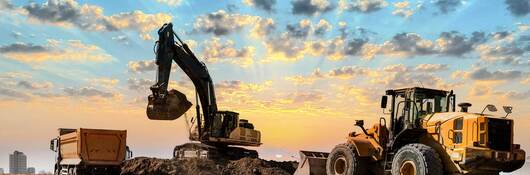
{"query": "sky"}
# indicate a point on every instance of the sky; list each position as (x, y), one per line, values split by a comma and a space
(301, 70)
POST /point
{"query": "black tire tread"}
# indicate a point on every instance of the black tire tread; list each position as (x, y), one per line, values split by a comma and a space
(356, 160)
(433, 162)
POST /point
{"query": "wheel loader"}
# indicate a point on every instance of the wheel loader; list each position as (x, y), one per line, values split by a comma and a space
(425, 135)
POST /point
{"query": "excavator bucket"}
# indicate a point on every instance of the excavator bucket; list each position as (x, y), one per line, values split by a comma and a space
(170, 108)
(312, 163)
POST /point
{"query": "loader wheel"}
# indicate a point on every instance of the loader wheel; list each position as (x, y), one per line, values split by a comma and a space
(343, 160)
(417, 159)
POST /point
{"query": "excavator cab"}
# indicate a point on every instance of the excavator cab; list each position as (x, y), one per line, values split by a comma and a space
(224, 123)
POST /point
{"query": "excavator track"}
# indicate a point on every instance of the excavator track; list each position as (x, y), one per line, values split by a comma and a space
(200, 150)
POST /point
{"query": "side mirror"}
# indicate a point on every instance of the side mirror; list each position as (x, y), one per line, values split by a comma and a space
(359, 123)
(490, 108)
(508, 110)
(52, 145)
(384, 100)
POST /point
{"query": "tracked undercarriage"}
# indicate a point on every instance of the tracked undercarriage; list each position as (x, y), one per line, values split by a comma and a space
(200, 150)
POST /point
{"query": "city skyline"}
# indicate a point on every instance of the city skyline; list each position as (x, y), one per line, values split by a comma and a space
(301, 70)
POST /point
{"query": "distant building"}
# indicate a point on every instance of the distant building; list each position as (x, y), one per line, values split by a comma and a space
(31, 170)
(17, 163)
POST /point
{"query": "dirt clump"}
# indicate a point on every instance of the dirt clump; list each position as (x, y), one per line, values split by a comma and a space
(195, 166)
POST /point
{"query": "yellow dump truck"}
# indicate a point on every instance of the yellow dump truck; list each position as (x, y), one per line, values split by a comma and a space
(89, 151)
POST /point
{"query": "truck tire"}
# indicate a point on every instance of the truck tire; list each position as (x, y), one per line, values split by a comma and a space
(417, 159)
(343, 160)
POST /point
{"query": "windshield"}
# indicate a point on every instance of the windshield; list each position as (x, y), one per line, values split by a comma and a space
(428, 104)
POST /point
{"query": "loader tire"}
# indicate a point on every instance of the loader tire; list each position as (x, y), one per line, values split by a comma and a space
(417, 159)
(343, 160)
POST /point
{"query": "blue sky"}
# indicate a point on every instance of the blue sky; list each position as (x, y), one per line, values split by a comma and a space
(275, 62)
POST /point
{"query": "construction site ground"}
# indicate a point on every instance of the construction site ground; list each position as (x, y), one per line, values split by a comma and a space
(196, 166)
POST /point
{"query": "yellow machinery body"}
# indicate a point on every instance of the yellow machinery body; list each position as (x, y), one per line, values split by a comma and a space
(466, 142)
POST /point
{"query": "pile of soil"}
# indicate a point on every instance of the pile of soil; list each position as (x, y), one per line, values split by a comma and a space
(244, 166)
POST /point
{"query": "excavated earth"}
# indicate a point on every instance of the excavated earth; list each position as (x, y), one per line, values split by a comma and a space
(244, 166)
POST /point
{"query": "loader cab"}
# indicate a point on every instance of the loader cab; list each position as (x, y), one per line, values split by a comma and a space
(409, 106)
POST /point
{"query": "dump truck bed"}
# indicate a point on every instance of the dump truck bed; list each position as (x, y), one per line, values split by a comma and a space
(92, 146)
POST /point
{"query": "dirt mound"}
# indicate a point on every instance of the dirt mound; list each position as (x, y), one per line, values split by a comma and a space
(245, 166)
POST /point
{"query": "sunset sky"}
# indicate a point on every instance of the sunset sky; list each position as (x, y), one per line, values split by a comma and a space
(301, 70)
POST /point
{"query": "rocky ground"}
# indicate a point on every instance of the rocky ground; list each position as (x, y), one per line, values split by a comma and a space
(245, 166)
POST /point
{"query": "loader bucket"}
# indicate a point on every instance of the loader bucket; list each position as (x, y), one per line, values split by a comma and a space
(312, 163)
(174, 106)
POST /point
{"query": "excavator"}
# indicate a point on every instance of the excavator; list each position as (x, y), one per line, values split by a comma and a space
(216, 133)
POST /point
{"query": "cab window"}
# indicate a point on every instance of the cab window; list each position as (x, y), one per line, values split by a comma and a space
(458, 125)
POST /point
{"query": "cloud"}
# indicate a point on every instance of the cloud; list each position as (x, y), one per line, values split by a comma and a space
(518, 7)
(400, 68)
(526, 80)
(431, 67)
(223, 23)
(5, 4)
(88, 92)
(411, 44)
(516, 95)
(263, 28)
(299, 31)
(139, 84)
(506, 49)
(347, 72)
(407, 44)
(300, 80)
(446, 6)
(311, 7)
(484, 74)
(22, 48)
(214, 50)
(104, 82)
(13, 94)
(170, 2)
(305, 80)
(404, 9)
(33, 85)
(283, 48)
(16, 34)
(231, 86)
(55, 50)
(15, 75)
(239, 93)
(486, 90)
(91, 18)
(121, 38)
(141, 66)
(266, 5)
(363, 6)
(456, 44)
(301, 97)
(322, 27)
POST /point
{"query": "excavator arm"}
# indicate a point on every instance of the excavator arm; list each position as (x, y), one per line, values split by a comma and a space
(169, 105)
